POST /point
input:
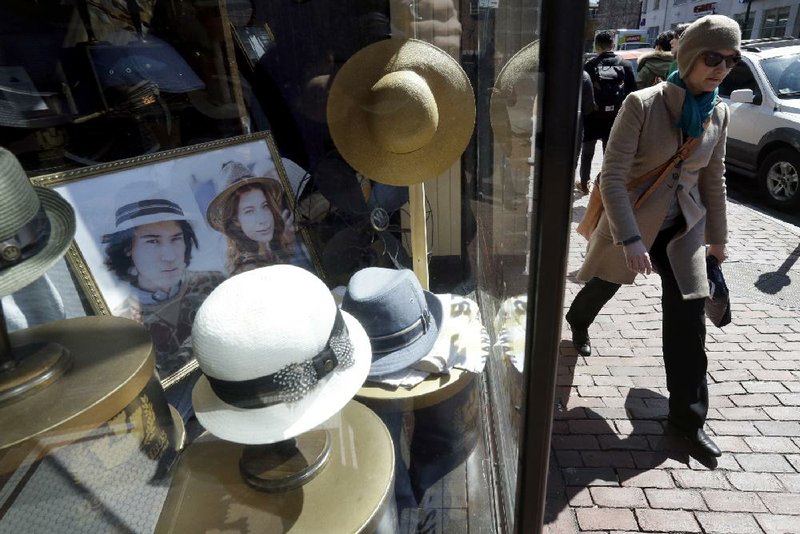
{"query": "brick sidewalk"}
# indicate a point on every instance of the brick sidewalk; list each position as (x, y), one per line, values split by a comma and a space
(614, 466)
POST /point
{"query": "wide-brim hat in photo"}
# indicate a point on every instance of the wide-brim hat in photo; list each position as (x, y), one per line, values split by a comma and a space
(144, 202)
(401, 111)
(401, 319)
(233, 176)
(277, 355)
(514, 92)
(36, 227)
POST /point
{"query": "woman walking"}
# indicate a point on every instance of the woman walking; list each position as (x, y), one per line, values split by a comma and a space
(668, 232)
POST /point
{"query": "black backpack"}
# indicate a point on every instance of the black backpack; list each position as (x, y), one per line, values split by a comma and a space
(608, 81)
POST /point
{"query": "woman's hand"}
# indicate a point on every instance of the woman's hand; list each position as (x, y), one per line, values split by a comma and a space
(719, 251)
(637, 258)
(288, 227)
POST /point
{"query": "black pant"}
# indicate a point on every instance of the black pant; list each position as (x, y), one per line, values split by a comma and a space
(594, 128)
(683, 335)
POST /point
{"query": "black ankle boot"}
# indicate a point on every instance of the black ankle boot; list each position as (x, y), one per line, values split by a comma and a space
(580, 340)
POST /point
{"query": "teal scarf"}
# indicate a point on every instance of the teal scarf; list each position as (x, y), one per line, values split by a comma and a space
(696, 109)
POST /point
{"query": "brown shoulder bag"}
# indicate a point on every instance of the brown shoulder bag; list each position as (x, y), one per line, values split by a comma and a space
(595, 208)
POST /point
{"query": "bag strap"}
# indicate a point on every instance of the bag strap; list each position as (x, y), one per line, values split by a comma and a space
(662, 171)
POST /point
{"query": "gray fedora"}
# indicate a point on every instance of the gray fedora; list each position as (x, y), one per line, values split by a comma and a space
(400, 318)
(36, 227)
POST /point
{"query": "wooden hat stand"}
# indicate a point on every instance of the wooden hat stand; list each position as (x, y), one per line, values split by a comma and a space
(337, 478)
(70, 376)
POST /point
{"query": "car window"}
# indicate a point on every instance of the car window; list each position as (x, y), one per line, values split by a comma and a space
(783, 74)
(740, 77)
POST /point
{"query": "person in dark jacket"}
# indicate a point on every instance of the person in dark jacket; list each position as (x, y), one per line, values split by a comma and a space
(654, 67)
(597, 125)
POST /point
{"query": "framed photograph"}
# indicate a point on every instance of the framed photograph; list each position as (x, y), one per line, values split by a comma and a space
(253, 41)
(157, 233)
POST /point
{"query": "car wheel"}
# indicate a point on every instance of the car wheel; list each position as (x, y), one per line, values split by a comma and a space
(779, 178)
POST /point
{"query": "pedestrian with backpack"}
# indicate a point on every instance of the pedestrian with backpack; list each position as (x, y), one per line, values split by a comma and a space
(612, 80)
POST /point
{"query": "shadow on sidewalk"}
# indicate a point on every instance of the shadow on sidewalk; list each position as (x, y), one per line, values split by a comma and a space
(593, 452)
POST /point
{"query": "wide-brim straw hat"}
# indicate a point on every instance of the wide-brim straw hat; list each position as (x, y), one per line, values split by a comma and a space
(21, 202)
(262, 323)
(515, 88)
(235, 175)
(401, 111)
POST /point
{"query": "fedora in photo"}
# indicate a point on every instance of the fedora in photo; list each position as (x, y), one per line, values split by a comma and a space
(144, 202)
(401, 319)
(277, 355)
(233, 176)
(401, 111)
(36, 227)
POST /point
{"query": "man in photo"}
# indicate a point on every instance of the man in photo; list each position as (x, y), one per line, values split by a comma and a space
(151, 250)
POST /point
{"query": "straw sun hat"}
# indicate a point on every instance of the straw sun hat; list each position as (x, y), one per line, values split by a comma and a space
(401, 111)
(514, 92)
(278, 357)
(27, 250)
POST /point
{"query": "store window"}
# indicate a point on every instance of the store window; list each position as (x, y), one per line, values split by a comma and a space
(774, 22)
(745, 25)
(290, 265)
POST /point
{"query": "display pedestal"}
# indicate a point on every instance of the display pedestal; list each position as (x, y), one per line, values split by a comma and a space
(351, 493)
(430, 392)
(285, 465)
(112, 361)
(434, 427)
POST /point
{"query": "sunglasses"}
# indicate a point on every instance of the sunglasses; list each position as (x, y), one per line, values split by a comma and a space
(712, 59)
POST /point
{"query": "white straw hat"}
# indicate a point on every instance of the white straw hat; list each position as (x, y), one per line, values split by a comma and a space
(278, 357)
(36, 227)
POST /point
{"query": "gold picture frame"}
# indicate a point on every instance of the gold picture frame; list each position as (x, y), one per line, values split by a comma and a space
(187, 179)
(254, 41)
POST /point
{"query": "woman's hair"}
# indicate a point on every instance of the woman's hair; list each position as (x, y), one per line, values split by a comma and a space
(680, 28)
(242, 249)
(663, 40)
(119, 261)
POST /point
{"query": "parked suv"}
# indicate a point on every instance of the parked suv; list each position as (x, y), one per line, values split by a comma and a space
(763, 92)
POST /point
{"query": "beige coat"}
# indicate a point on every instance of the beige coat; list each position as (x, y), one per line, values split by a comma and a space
(643, 137)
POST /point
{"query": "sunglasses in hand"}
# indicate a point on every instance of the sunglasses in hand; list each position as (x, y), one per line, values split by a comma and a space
(712, 59)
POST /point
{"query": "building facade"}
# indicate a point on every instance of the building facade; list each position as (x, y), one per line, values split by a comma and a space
(758, 18)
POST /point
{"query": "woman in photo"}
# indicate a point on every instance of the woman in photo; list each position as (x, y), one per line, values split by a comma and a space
(260, 231)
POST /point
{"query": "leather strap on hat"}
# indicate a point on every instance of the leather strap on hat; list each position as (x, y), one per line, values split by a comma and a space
(292, 382)
(403, 338)
(28, 241)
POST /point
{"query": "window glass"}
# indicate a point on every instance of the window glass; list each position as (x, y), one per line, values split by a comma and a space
(774, 22)
(740, 77)
(783, 74)
(206, 145)
(747, 29)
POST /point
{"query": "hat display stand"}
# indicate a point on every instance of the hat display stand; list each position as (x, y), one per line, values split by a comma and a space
(111, 359)
(210, 489)
(285, 465)
(402, 111)
(27, 368)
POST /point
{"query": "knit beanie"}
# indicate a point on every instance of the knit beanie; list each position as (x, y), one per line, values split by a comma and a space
(712, 32)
